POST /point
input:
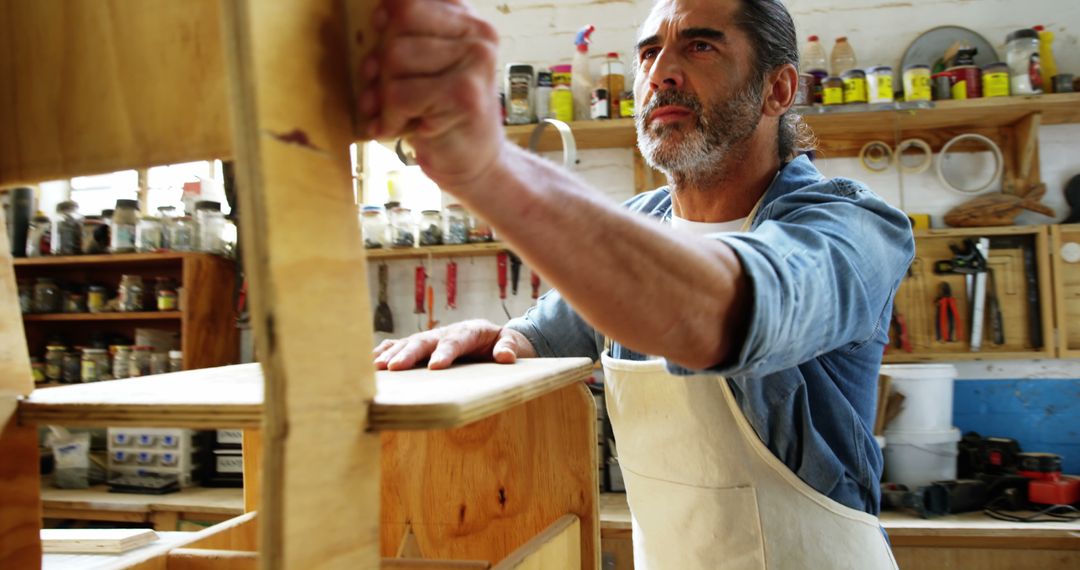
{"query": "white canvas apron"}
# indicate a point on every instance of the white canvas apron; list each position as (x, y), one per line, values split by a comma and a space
(705, 492)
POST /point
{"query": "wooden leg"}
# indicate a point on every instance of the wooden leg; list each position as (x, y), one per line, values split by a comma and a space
(165, 520)
(253, 457)
(20, 497)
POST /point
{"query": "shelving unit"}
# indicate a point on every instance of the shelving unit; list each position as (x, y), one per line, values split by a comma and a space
(1066, 288)
(437, 251)
(206, 323)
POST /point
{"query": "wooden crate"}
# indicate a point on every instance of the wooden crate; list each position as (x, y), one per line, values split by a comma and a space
(1066, 290)
(915, 300)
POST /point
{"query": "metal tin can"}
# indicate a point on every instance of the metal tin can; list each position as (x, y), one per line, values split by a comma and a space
(95, 299)
(942, 86)
(166, 300)
(880, 84)
(966, 82)
(95, 364)
(562, 103)
(805, 93)
(917, 83)
(832, 91)
(995, 80)
(854, 86)
(1063, 82)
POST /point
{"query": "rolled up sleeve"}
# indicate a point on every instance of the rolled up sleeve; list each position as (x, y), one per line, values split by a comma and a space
(556, 330)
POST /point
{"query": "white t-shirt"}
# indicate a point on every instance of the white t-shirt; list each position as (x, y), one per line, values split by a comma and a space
(706, 228)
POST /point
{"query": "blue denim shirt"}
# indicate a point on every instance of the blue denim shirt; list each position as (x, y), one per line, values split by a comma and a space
(825, 258)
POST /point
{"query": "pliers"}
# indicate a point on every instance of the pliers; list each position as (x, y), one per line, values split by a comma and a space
(949, 325)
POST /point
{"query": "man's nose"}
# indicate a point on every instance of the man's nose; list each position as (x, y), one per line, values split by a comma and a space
(666, 72)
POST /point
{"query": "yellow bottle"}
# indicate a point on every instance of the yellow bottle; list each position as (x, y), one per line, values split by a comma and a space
(1046, 58)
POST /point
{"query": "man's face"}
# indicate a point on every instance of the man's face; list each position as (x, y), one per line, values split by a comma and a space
(696, 94)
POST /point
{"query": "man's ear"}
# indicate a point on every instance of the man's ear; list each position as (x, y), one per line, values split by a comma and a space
(781, 85)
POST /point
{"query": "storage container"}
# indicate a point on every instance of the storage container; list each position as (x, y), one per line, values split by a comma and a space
(928, 396)
(918, 458)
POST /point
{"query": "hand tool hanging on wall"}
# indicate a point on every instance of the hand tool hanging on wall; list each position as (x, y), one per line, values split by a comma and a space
(501, 262)
(384, 319)
(900, 332)
(978, 300)
(515, 272)
(431, 322)
(1027, 245)
(535, 282)
(451, 285)
(948, 325)
(421, 281)
(997, 324)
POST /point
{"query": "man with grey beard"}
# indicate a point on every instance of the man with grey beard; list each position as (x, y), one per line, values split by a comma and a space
(740, 312)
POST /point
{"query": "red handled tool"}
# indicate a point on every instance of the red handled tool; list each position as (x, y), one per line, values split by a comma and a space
(503, 259)
(949, 324)
(431, 322)
(535, 282)
(900, 332)
(421, 280)
(451, 285)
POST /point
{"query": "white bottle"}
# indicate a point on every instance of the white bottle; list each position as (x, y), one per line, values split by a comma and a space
(581, 80)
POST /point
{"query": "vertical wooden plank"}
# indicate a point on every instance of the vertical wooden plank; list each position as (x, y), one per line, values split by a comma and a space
(209, 336)
(253, 458)
(1046, 290)
(1027, 149)
(15, 377)
(20, 495)
(1061, 326)
(288, 82)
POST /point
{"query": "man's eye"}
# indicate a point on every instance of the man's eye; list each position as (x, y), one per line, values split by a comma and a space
(700, 46)
(649, 53)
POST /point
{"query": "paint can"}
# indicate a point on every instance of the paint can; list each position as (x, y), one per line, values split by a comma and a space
(819, 84)
(854, 86)
(966, 82)
(832, 91)
(942, 83)
(917, 83)
(880, 83)
(995, 80)
(805, 93)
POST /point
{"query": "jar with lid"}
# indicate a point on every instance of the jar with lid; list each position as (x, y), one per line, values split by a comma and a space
(39, 236)
(54, 362)
(149, 234)
(124, 221)
(96, 297)
(457, 225)
(168, 216)
(74, 302)
(92, 229)
(95, 364)
(431, 227)
(182, 234)
(854, 86)
(131, 293)
(121, 360)
(73, 366)
(159, 362)
(373, 227)
(917, 83)
(140, 361)
(479, 230)
(832, 91)
(46, 296)
(1022, 55)
(26, 297)
(176, 361)
(402, 227)
(67, 229)
(37, 370)
(210, 224)
(519, 94)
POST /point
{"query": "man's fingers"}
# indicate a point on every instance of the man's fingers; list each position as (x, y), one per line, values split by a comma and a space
(383, 359)
(447, 351)
(382, 347)
(416, 348)
(505, 351)
(410, 56)
(429, 18)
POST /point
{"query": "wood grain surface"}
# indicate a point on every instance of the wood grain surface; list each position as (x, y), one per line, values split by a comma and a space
(1066, 291)
(92, 87)
(208, 333)
(20, 504)
(15, 377)
(481, 491)
(557, 546)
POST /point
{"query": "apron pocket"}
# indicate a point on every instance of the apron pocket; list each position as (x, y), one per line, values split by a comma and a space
(688, 527)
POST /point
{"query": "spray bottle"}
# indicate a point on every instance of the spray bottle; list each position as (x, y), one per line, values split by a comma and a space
(581, 80)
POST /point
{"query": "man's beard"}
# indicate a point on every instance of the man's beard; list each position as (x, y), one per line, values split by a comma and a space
(699, 153)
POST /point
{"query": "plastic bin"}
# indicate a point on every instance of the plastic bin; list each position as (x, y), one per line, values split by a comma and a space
(928, 396)
(917, 458)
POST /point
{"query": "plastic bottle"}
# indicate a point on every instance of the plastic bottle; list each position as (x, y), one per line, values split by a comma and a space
(1046, 58)
(543, 95)
(843, 57)
(581, 82)
(815, 62)
(613, 78)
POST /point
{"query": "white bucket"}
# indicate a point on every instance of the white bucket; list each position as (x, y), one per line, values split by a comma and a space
(917, 458)
(928, 396)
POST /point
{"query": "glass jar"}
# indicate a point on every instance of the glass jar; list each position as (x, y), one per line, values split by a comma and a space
(121, 360)
(373, 227)
(140, 361)
(26, 297)
(479, 230)
(67, 229)
(1022, 55)
(131, 293)
(995, 80)
(182, 234)
(46, 296)
(95, 364)
(166, 300)
(159, 362)
(456, 225)
(168, 217)
(832, 91)
(54, 362)
(37, 370)
(93, 228)
(431, 227)
(72, 366)
(39, 236)
(96, 298)
(176, 361)
(149, 235)
(211, 224)
(124, 220)
(402, 227)
(74, 302)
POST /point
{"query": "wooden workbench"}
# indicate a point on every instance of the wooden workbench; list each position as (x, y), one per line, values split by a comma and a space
(970, 540)
(164, 512)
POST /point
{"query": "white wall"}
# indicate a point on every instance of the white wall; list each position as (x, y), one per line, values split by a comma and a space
(541, 33)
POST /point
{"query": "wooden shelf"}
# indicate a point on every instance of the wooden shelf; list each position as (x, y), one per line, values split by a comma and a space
(232, 396)
(857, 121)
(105, 259)
(95, 317)
(463, 250)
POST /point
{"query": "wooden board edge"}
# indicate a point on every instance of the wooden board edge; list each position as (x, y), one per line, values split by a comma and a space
(561, 539)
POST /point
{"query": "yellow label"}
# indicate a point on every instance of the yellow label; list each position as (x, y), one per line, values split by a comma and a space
(562, 105)
(89, 371)
(626, 108)
(959, 90)
(883, 88)
(560, 78)
(832, 96)
(996, 85)
(917, 87)
(855, 90)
